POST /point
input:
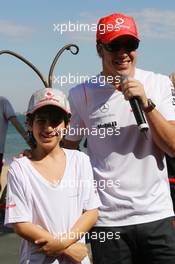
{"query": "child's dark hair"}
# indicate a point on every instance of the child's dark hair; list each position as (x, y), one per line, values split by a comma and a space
(63, 116)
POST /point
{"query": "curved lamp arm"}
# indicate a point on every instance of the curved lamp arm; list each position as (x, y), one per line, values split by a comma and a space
(66, 47)
(26, 62)
(50, 76)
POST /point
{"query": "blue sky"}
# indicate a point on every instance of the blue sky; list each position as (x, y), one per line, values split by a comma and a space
(27, 27)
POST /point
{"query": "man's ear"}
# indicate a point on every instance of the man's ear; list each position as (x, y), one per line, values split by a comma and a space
(99, 50)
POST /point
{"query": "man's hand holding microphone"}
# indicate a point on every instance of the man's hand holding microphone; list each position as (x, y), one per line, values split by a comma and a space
(134, 92)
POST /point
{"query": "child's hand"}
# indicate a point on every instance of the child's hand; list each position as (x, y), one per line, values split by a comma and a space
(76, 252)
(50, 247)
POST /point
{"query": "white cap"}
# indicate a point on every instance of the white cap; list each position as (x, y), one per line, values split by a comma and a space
(48, 96)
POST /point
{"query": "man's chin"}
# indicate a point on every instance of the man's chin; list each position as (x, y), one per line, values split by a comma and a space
(122, 72)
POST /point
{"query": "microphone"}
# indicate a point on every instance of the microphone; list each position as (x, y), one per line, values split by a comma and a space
(137, 110)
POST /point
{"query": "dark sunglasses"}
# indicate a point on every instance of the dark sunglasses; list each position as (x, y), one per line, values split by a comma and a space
(129, 45)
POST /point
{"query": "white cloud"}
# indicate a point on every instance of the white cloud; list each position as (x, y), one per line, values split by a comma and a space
(154, 23)
(14, 30)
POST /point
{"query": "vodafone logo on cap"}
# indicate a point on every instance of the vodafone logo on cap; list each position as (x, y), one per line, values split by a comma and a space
(49, 94)
(120, 24)
(119, 20)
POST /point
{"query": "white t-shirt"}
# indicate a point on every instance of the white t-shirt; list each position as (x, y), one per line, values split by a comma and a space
(54, 207)
(6, 111)
(130, 168)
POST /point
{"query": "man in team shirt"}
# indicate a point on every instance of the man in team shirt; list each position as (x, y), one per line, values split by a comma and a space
(136, 199)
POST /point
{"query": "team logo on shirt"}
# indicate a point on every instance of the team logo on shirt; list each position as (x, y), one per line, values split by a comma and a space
(9, 203)
(104, 108)
(106, 125)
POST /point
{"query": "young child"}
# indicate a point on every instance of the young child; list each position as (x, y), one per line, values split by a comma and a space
(51, 201)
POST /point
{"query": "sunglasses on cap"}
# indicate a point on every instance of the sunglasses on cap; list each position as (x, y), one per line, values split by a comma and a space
(129, 45)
